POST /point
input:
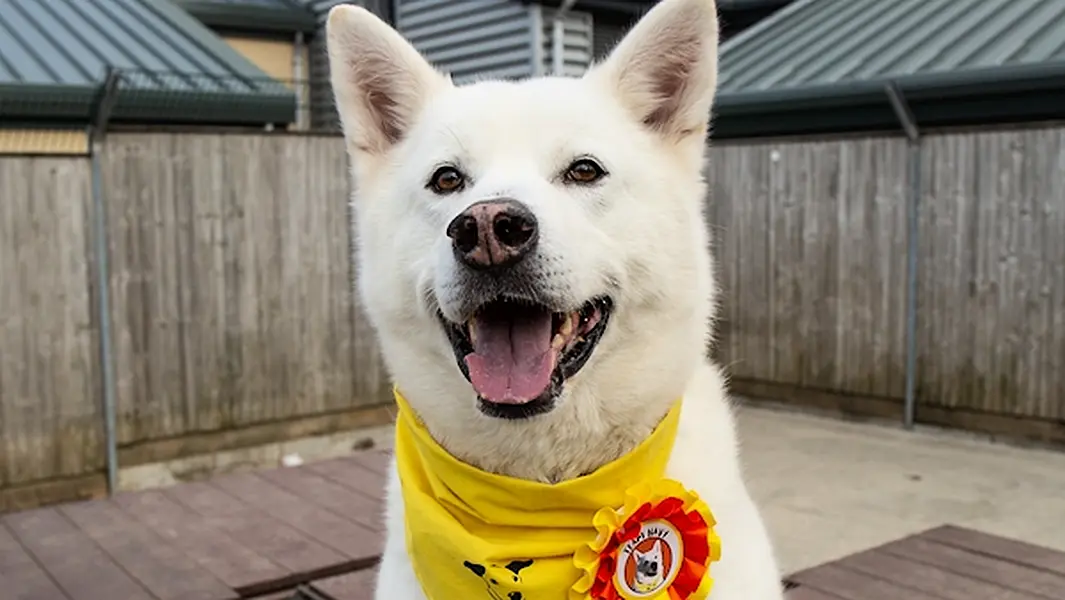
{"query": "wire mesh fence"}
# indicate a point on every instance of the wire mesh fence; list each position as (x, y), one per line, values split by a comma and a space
(50, 119)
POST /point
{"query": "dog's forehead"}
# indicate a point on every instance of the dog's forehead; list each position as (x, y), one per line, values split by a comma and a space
(538, 115)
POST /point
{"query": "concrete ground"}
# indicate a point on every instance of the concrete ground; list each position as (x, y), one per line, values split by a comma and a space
(828, 488)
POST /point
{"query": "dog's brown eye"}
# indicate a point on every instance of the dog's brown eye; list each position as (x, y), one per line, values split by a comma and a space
(584, 171)
(446, 180)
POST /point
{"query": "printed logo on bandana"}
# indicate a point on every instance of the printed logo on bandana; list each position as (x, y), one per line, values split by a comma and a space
(648, 564)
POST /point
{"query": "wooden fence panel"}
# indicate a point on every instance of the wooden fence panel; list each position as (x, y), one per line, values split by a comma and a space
(231, 283)
(991, 309)
(50, 423)
(810, 244)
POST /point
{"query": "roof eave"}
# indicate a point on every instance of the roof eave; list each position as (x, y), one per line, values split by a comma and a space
(74, 104)
(251, 18)
(924, 85)
(639, 7)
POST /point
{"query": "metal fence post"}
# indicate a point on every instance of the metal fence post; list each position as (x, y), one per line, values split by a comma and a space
(913, 136)
(105, 102)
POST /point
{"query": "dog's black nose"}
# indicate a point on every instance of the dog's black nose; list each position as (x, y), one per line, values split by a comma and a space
(493, 234)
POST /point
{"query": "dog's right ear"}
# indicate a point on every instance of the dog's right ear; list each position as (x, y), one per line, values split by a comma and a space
(379, 80)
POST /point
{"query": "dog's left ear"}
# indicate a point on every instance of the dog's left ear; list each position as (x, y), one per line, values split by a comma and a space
(665, 69)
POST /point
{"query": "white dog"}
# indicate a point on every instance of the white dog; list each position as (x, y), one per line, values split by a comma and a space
(549, 235)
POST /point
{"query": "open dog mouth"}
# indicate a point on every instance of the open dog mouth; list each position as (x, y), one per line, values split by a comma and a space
(517, 354)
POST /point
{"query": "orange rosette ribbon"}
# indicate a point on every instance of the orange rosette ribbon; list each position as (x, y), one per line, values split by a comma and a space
(658, 546)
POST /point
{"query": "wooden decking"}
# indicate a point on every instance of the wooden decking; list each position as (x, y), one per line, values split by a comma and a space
(945, 563)
(243, 535)
(314, 533)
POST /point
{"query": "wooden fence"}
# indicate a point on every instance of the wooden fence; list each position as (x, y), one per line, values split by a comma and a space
(991, 308)
(50, 424)
(231, 300)
(811, 238)
(231, 303)
(811, 254)
(231, 286)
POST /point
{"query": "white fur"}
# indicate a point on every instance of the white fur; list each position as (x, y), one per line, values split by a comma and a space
(639, 236)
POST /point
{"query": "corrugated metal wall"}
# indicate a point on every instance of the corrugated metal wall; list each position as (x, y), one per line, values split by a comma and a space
(577, 42)
(608, 32)
(323, 111)
(472, 40)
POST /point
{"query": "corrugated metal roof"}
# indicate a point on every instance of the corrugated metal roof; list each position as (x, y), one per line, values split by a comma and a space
(816, 43)
(54, 55)
(820, 65)
(252, 15)
(638, 7)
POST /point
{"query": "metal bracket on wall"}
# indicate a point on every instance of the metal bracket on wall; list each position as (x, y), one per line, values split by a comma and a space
(104, 105)
(913, 134)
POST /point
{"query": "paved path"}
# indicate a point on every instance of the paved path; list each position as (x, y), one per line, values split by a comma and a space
(829, 488)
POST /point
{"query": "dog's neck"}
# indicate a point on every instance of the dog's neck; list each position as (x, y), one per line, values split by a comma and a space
(574, 440)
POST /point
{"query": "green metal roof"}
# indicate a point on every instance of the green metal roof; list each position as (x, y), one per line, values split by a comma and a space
(281, 16)
(54, 55)
(816, 57)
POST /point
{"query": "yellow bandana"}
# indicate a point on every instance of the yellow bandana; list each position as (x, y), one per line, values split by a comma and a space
(622, 532)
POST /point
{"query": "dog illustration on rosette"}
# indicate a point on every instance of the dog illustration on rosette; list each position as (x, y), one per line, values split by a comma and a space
(533, 256)
(646, 570)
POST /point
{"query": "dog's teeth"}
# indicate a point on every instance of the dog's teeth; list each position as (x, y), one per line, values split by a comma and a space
(567, 325)
(472, 328)
(558, 341)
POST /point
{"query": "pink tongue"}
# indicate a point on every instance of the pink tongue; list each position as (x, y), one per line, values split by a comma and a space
(512, 359)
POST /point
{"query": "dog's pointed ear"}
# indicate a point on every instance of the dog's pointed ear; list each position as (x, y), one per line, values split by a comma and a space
(379, 80)
(665, 69)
